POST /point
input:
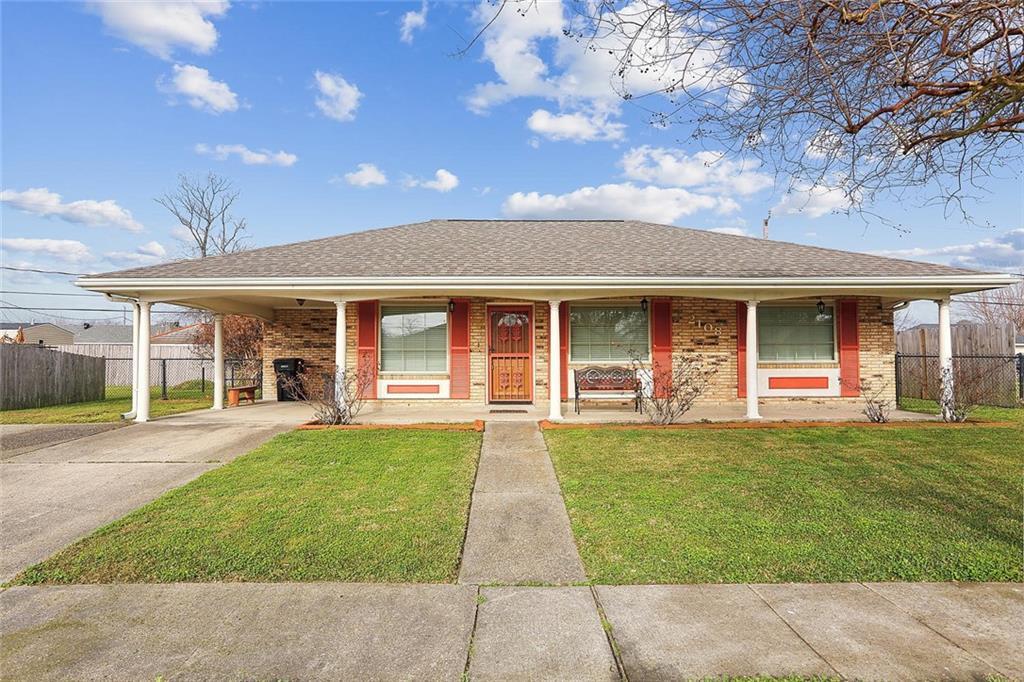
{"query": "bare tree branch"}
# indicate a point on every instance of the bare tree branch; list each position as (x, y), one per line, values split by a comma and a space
(203, 207)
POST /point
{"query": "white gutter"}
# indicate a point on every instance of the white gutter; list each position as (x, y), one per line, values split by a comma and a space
(398, 283)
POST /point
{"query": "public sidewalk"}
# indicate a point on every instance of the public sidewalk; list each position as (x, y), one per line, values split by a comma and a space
(329, 631)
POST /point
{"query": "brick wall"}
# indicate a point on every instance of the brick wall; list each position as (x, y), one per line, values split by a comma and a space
(699, 326)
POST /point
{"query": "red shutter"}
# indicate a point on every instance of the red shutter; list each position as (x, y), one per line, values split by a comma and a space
(563, 350)
(741, 349)
(366, 346)
(459, 349)
(849, 348)
(661, 342)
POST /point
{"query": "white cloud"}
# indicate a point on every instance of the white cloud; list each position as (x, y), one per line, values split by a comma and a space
(813, 200)
(41, 201)
(365, 175)
(262, 157)
(736, 231)
(613, 201)
(67, 250)
(411, 22)
(338, 98)
(709, 170)
(578, 127)
(154, 248)
(444, 181)
(1004, 252)
(201, 91)
(582, 76)
(144, 254)
(161, 27)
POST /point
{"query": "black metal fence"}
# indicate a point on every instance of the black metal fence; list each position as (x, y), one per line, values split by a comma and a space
(995, 380)
(178, 378)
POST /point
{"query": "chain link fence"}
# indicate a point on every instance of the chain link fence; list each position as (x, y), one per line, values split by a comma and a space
(177, 378)
(992, 380)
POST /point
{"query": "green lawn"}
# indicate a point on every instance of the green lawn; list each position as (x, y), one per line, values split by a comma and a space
(362, 505)
(108, 410)
(998, 414)
(816, 504)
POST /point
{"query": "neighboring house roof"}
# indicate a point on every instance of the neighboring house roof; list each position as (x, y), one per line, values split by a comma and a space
(179, 335)
(539, 248)
(105, 333)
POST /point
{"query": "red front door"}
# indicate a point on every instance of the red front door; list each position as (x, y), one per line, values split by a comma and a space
(510, 353)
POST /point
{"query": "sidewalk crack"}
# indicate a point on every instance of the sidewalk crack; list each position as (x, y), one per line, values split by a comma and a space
(927, 625)
(609, 634)
(795, 631)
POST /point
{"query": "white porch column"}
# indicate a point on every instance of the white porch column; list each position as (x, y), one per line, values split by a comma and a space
(142, 406)
(945, 359)
(751, 368)
(218, 361)
(340, 349)
(555, 362)
(135, 363)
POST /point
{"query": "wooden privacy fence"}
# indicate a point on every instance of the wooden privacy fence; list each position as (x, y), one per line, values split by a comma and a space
(31, 376)
(968, 339)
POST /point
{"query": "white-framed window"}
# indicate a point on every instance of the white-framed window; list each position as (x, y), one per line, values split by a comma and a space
(608, 333)
(796, 333)
(413, 338)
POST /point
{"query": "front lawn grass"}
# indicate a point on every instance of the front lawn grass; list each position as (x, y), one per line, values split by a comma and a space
(982, 412)
(363, 505)
(109, 410)
(813, 504)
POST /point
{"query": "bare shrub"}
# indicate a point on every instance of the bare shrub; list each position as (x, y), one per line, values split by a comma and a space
(336, 398)
(675, 388)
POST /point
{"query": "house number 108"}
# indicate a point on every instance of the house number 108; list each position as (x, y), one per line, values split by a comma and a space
(706, 326)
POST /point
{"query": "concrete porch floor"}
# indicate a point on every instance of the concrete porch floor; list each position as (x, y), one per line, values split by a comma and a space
(593, 413)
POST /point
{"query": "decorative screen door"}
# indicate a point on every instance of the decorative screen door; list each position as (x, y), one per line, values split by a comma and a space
(510, 353)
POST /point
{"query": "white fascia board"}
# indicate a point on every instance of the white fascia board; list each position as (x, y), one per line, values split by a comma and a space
(273, 284)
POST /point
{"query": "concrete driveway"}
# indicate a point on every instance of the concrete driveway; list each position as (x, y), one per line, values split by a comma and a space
(64, 482)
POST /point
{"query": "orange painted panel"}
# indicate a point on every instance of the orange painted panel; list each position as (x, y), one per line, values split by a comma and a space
(413, 388)
(797, 382)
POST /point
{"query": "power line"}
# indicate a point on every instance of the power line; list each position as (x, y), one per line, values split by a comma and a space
(46, 272)
(47, 293)
(88, 310)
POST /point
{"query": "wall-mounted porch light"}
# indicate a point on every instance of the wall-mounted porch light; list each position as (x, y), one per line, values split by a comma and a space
(300, 301)
(451, 305)
(643, 304)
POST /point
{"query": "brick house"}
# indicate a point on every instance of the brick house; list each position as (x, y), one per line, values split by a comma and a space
(480, 312)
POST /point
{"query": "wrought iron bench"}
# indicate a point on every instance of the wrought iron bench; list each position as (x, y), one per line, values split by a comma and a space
(606, 380)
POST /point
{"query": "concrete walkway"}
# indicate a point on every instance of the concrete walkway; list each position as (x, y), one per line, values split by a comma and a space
(518, 527)
(891, 631)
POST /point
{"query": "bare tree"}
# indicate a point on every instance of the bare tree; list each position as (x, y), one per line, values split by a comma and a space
(203, 207)
(997, 307)
(866, 97)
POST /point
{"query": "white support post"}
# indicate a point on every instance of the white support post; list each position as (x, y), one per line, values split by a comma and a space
(751, 367)
(947, 387)
(340, 351)
(218, 362)
(135, 363)
(555, 363)
(142, 406)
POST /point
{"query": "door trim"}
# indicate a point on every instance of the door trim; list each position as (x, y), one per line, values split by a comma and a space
(530, 310)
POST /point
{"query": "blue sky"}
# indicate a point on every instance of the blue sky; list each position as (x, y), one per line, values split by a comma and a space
(104, 105)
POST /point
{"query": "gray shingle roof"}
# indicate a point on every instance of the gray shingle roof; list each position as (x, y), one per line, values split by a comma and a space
(540, 248)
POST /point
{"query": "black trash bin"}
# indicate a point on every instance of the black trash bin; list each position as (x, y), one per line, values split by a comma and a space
(288, 371)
